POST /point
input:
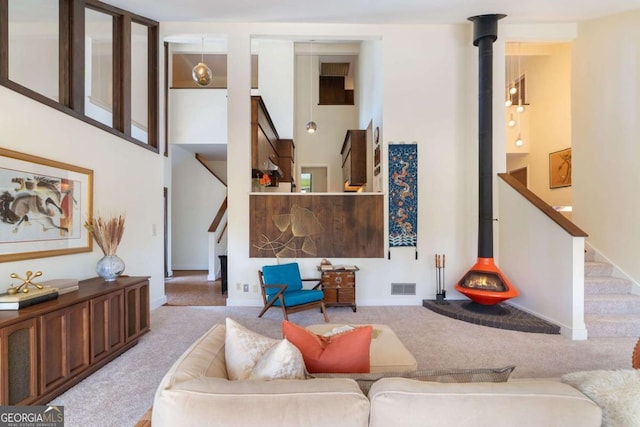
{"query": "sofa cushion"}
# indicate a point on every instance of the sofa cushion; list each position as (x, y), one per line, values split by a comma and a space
(617, 392)
(395, 402)
(250, 355)
(299, 297)
(217, 402)
(343, 352)
(472, 375)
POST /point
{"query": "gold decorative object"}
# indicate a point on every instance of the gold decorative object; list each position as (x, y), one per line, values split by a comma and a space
(300, 223)
(25, 282)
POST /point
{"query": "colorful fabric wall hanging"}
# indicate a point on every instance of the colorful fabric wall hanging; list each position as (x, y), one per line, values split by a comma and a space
(403, 195)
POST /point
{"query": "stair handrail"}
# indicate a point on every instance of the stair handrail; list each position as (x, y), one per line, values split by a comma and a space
(222, 232)
(543, 206)
(216, 221)
(200, 159)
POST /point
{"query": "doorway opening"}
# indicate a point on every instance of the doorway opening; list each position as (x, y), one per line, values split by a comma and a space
(313, 179)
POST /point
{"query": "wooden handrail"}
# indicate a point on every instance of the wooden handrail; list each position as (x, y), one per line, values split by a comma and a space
(201, 160)
(222, 232)
(536, 201)
(216, 221)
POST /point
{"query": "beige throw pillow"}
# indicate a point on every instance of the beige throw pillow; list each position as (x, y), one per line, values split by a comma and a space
(251, 356)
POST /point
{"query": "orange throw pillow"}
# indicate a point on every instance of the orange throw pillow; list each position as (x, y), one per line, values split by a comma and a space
(347, 352)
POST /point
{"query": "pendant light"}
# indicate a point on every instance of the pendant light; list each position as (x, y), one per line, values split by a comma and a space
(311, 125)
(519, 142)
(202, 74)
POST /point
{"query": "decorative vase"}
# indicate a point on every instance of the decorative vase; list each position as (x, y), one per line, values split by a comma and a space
(110, 267)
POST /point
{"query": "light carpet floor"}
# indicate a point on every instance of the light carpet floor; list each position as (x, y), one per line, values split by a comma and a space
(121, 392)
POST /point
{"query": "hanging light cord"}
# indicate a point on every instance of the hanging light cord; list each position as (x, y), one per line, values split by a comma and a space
(311, 80)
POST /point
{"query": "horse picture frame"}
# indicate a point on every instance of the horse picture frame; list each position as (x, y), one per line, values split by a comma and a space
(43, 206)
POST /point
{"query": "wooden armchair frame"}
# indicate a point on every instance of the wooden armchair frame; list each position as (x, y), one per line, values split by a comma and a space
(268, 303)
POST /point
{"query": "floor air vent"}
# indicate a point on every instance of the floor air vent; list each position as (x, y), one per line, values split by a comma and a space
(403, 289)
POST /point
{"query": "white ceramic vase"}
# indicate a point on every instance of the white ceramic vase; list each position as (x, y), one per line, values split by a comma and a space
(110, 267)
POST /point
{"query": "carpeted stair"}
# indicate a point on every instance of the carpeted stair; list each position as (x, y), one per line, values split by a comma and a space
(610, 309)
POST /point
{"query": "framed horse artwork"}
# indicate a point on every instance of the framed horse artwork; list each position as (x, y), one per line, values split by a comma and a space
(42, 206)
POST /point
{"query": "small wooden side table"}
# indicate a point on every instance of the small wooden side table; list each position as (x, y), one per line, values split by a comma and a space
(339, 286)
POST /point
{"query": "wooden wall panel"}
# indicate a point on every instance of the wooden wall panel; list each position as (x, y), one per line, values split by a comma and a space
(316, 226)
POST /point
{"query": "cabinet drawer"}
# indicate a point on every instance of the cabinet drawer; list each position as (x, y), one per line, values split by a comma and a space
(339, 279)
(330, 295)
(347, 295)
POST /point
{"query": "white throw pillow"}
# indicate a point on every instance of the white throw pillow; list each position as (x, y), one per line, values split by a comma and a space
(617, 392)
(250, 355)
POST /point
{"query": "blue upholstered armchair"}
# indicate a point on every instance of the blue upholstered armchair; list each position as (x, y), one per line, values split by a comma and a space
(281, 286)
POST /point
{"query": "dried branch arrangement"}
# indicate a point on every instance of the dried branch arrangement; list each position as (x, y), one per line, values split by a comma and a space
(106, 232)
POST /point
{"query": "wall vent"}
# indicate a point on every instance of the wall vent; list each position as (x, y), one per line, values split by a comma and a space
(403, 289)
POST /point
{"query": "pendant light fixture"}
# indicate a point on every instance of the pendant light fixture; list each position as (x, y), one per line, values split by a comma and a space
(311, 125)
(202, 74)
(519, 142)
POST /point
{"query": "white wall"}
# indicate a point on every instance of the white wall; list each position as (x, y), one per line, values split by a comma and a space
(370, 104)
(606, 125)
(198, 116)
(543, 262)
(196, 197)
(276, 82)
(128, 179)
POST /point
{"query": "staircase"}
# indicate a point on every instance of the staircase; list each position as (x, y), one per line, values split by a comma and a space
(610, 309)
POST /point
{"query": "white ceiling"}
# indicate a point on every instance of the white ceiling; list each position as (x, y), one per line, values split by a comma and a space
(373, 11)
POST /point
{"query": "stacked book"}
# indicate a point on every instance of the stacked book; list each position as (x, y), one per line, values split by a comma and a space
(63, 286)
(329, 267)
(25, 299)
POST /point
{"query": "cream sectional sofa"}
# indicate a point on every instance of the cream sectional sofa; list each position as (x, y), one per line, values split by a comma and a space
(196, 392)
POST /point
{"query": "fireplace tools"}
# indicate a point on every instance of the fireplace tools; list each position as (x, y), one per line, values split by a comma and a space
(441, 294)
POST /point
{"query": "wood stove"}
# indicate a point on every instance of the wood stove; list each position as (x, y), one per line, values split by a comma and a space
(485, 283)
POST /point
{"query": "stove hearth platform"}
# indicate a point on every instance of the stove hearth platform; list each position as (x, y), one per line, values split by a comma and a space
(501, 316)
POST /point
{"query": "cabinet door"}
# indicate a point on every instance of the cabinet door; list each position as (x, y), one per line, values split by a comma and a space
(107, 324)
(64, 345)
(18, 363)
(137, 302)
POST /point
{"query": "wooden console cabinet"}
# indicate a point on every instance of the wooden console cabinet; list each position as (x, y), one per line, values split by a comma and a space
(339, 287)
(47, 348)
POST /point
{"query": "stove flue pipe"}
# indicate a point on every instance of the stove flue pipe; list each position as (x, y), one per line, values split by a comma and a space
(485, 33)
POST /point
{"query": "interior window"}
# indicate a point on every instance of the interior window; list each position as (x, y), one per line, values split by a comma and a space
(336, 82)
(99, 66)
(33, 45)
(108, 78)
(139, 82)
